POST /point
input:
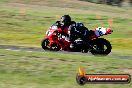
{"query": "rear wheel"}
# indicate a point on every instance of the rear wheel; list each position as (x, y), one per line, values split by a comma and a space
(100, 46)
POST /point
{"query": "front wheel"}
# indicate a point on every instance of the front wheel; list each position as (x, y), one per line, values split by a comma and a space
(45, 43)
(100, 46)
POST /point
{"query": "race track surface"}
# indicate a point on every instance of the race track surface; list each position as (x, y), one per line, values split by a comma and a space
(36, 49)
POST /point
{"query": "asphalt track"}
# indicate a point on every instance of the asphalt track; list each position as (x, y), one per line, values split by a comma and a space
(36, 49)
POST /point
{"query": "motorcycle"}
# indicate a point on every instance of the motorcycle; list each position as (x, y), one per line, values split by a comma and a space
(55, 40)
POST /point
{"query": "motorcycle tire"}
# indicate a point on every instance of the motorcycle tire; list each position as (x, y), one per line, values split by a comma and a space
(99, 45)
(45, 43)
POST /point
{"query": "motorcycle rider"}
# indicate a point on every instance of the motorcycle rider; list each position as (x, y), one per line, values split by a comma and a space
(64, 23)
(71, 29)
(77, 30)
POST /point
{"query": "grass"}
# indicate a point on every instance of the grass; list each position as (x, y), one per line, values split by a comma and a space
(26, 24)
(31, 27)
(49, 69)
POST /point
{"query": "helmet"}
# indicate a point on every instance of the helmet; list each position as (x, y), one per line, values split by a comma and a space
(66, 19)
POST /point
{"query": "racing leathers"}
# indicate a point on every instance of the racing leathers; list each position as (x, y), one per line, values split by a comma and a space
(73, 30)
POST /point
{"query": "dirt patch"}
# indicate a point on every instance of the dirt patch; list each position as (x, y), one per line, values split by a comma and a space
(63, 60)
(129, 33)
(2, 55)
(126, 70)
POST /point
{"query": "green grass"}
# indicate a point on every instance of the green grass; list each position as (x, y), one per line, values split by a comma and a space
(26, 24)
(49, 69)
(31, 27)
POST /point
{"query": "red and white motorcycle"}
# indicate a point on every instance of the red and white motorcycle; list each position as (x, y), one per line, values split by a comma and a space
(55, 41)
